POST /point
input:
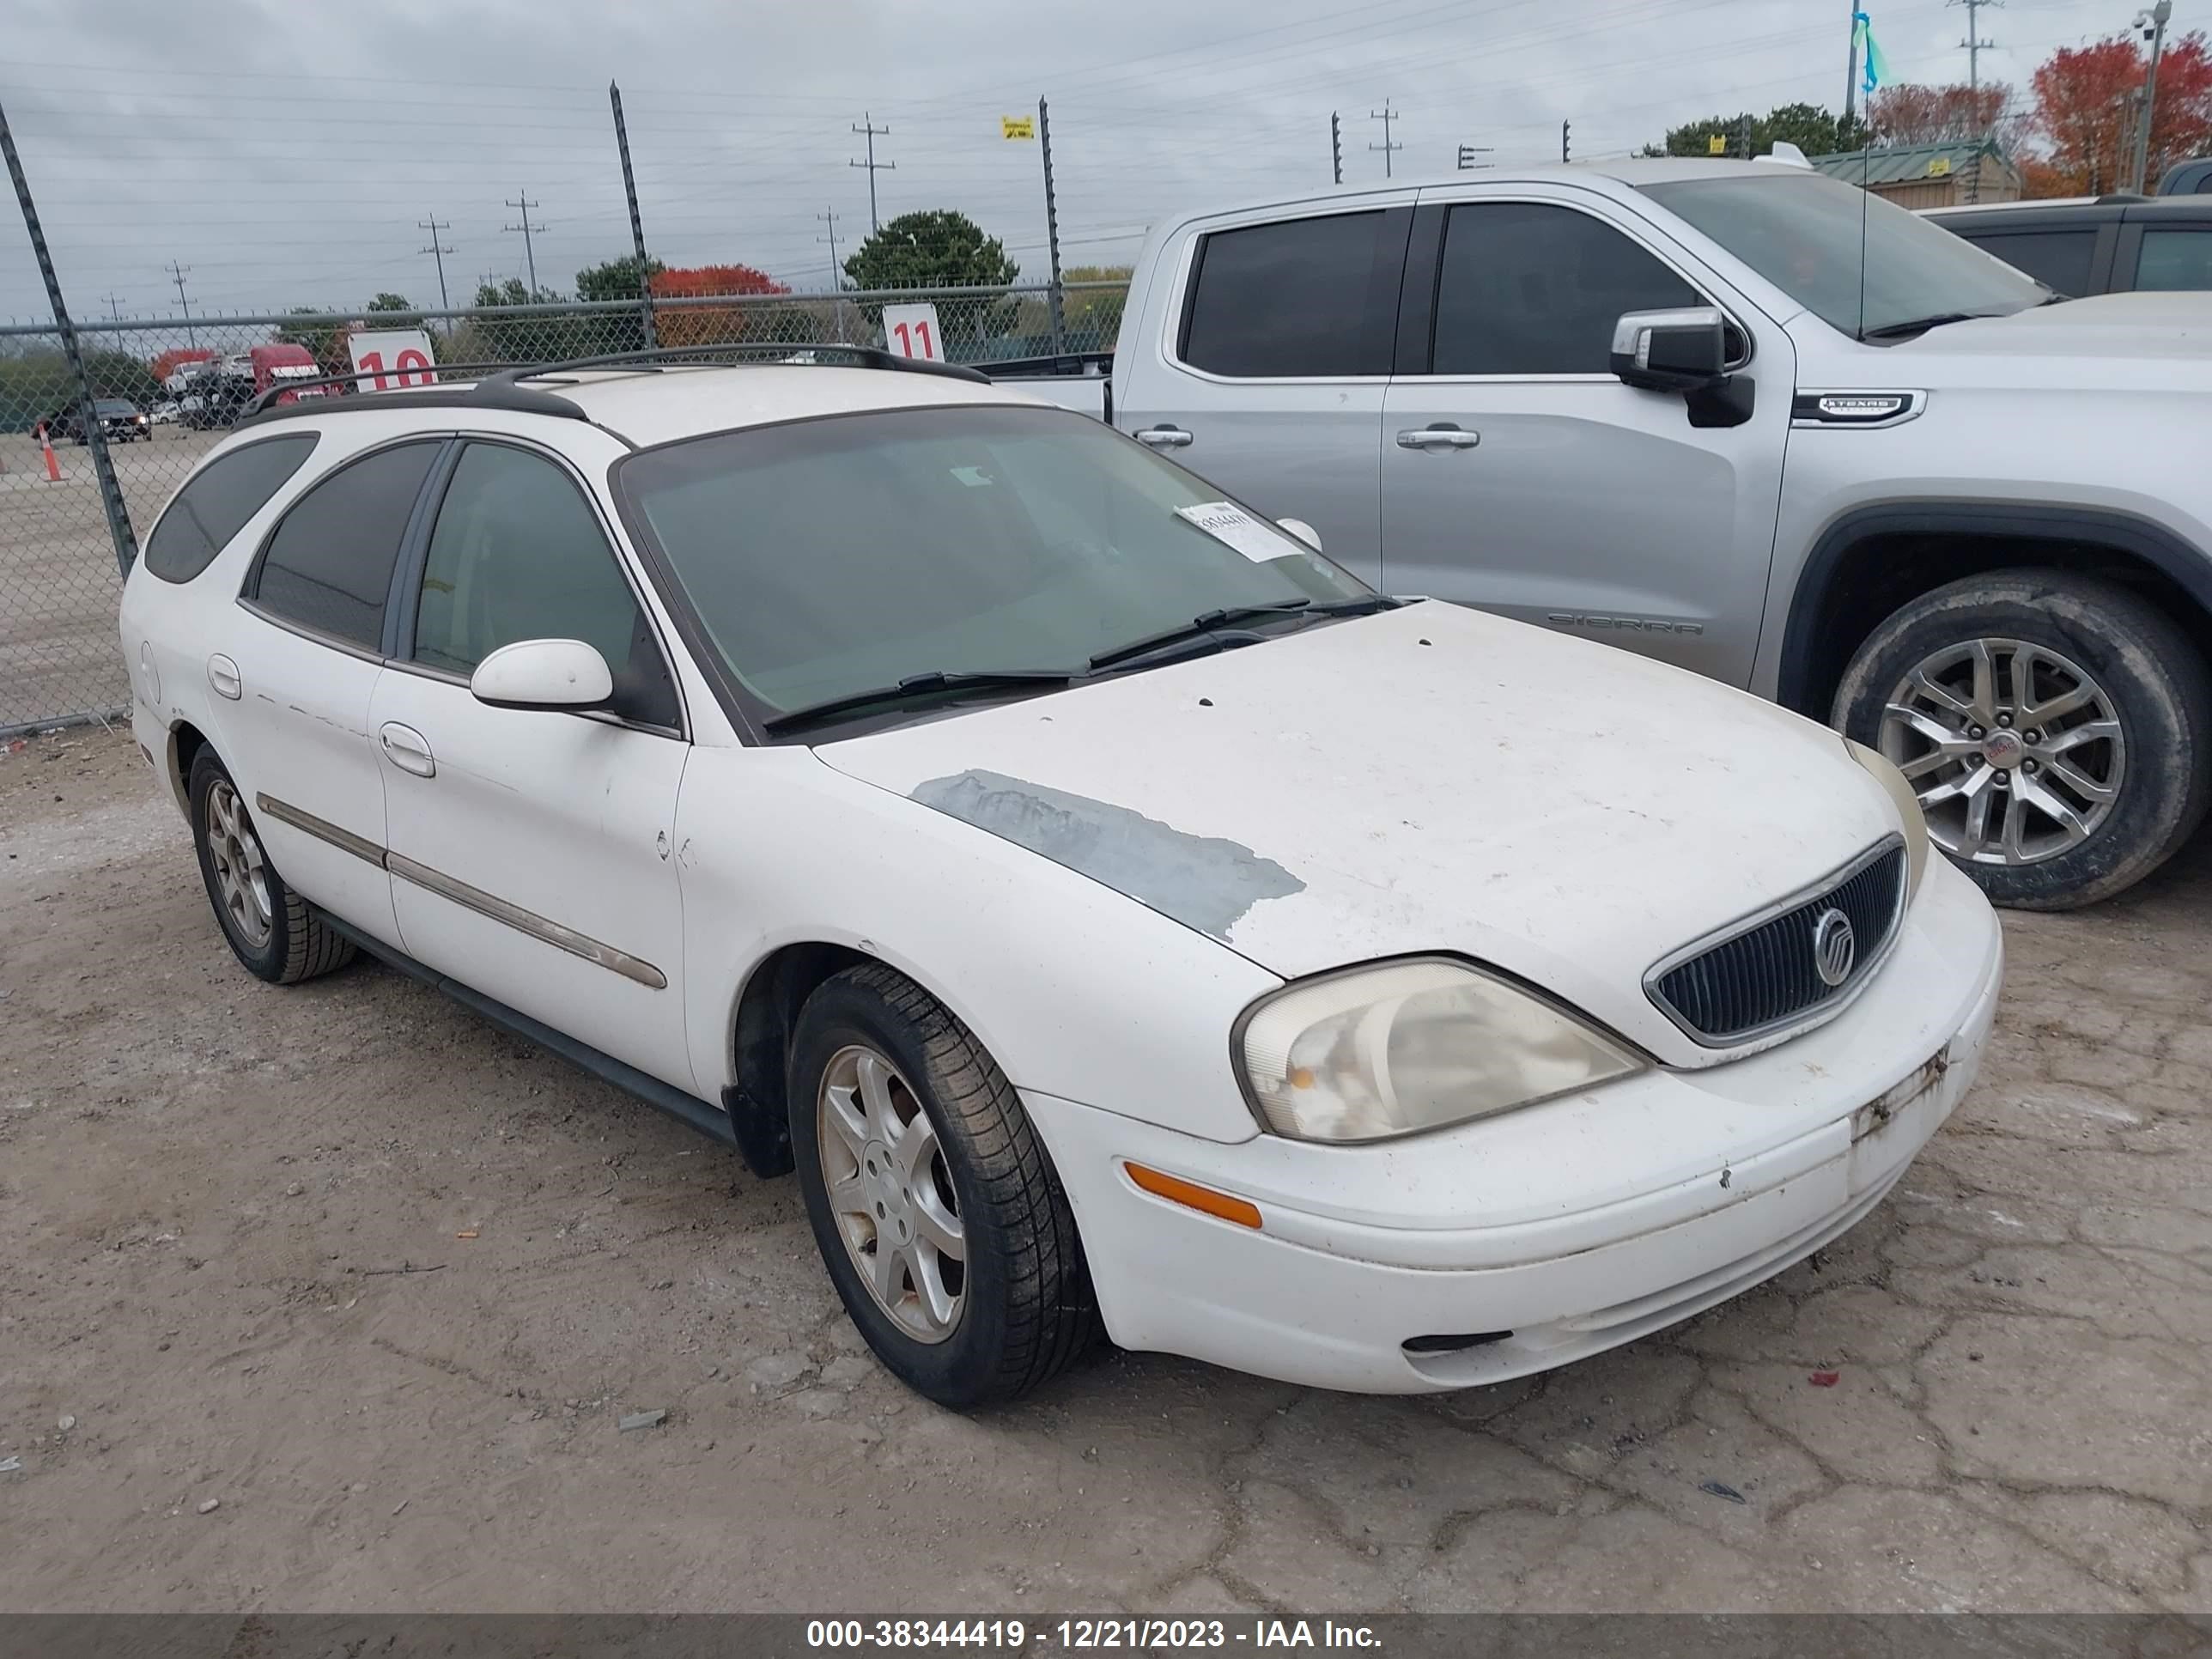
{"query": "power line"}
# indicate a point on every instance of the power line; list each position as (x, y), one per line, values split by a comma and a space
(873, 166)
(529, 252)
(438, 251)
(1385, 115)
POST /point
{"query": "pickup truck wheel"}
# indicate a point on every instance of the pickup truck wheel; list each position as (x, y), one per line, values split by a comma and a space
(273, 931)
(934, 1207)
(2057, 728)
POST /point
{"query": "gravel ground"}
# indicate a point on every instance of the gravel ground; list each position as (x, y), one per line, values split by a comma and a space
(333, 1298)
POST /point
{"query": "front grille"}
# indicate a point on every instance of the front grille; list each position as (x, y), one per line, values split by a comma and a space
(1764, 975)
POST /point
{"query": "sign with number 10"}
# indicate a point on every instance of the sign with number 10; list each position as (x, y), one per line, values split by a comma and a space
(912, 332)
(392, 357)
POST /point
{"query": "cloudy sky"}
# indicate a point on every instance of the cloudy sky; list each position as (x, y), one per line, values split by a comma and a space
(285, 151)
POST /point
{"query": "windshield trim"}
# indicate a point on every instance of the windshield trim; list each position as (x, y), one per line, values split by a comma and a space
(749, 718)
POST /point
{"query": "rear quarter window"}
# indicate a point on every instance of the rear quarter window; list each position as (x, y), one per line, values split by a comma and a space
(215, 504)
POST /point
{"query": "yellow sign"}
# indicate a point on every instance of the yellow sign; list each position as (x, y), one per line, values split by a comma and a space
(1939, 167)
(1717, 144)
(1018, 126)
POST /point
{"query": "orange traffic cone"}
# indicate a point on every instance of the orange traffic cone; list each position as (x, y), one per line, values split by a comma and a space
(53, 466)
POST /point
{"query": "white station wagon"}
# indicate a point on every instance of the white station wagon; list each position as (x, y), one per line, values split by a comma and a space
(1116, 913)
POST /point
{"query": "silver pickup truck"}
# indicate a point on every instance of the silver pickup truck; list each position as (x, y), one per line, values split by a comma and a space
(1751, 420)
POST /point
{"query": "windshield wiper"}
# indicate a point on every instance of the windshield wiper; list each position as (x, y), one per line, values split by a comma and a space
(1205, 625)
(1922, 325)
(915, 685)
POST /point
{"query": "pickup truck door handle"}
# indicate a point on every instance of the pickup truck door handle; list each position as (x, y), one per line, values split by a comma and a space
(407, 749)
(1442, 436)
(1165, 437)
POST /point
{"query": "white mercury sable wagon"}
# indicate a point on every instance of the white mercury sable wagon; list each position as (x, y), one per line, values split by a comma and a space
(1116, 913)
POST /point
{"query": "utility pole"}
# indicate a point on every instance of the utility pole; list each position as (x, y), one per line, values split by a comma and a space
(1973, 44)
(2153, 22)
(873, 166)
(177, 275)
(1566, 130)
(88, 422)
(1051, 232)
(529, 250)
(438, 251)
(114, 309)
(1335, 147)
(636, 224)
(836, 275)
(1385, 115)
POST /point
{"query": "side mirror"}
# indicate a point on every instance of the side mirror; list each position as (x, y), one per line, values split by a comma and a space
(1304, 531)
(1684, 351)
(542, 674)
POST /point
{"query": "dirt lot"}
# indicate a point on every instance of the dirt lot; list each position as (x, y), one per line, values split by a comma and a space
(379, 1283)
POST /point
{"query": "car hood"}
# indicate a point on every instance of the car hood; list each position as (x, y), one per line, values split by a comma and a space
(1431, 779)
(2150, 342)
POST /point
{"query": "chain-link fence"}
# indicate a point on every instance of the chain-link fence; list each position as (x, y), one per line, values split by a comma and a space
(165, 391)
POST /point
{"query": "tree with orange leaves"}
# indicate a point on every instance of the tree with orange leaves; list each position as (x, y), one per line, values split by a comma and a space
(2086, 99)
(690, 324)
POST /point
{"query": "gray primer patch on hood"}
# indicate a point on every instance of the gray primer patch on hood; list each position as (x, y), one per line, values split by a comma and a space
(1204, 882)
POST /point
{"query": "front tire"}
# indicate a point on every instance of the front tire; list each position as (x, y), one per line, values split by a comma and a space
(936, 1210)
(270, 929)
(2058, 729)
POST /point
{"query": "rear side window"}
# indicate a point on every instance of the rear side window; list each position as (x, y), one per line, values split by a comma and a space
(1527, 288)
(2061, 260)
(2175, 259)
(328, 567)
(1292, 300)
(218, 500)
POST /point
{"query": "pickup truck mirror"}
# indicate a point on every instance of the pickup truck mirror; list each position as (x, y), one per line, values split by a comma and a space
(1684, 351)
(550, 674)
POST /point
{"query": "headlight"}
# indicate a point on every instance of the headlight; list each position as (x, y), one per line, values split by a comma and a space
(1406, 1046)
(1908, 809)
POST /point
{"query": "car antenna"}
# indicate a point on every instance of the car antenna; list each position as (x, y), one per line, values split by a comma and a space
(1874, 69)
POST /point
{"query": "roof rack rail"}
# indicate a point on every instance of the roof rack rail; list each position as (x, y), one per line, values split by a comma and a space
(266, 404)
(777, 353)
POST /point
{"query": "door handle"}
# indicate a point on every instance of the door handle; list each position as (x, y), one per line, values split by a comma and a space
(407, 749)
(222, 677)
(1165, 437)
(1442, 436)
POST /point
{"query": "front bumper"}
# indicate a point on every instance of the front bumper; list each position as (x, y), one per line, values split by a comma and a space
(1575, 1226)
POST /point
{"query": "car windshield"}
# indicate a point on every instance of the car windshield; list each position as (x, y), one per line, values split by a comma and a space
(828, 557)
(116, 406)
(1806, 234)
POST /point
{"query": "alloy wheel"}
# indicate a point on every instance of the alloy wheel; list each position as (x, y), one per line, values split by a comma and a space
(2017, 755)
(891, 1192)
(241, 874)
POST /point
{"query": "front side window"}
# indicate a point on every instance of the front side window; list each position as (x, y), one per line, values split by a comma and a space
(1862, 265)
(1288, 300)
(2175, 259)
(2061, 260)
(216, 501)
(517, 553)
(828, 557)
(328, 567)
(1526, 288)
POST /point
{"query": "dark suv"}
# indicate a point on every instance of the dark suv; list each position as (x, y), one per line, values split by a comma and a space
(2110, 245)
(120, 418)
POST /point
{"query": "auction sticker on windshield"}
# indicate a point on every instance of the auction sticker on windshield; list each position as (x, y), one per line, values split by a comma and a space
(1226, 522)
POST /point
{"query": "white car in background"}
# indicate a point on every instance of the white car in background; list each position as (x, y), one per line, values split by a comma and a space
(1117, 913)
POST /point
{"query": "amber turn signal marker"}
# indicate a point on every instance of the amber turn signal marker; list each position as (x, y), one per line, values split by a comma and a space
(1193, 1196)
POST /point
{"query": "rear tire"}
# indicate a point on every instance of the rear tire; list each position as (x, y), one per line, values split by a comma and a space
(270, 929)
(907, 1137)
(2058, 727)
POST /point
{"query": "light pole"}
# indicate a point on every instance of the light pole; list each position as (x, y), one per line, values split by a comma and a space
(2153, 23)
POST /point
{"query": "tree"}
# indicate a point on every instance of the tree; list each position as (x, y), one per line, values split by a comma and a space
(1092, 317)
(540, 338)
(2085, 109)
(1954, 114)
(389, 301)
(938, 248)
(1809, 126)
(695, 324)
(615, 280)
(325, 340)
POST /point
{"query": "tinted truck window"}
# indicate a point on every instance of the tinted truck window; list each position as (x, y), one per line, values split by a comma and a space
(2175, 259)
(328, 566)
(2059, 259)
(218, 500)
(1288, 300)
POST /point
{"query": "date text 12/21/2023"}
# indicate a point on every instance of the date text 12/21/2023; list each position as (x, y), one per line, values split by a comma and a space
(1085, 1634)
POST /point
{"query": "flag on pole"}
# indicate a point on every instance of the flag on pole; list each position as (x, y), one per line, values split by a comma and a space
(1874, 67)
